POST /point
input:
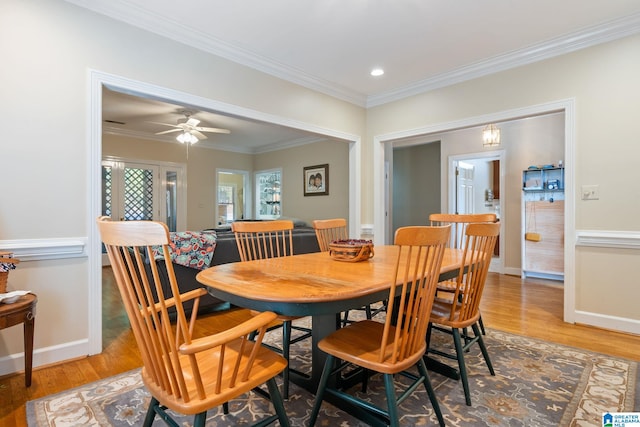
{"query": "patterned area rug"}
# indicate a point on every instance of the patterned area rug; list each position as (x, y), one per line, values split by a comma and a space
(536, 384)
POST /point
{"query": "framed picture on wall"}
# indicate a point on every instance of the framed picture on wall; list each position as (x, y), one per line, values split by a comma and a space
(316, 180)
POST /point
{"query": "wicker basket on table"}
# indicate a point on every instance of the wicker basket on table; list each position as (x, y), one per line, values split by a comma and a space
(351, 250)
(7, 263)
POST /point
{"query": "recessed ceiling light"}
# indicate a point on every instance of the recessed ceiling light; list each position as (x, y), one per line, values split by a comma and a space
(377, 72)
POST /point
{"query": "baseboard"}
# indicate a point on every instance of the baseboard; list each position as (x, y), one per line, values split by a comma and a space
(543, 275)
(613, 323)
(45, 356)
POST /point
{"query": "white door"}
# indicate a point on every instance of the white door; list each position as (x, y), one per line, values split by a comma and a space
(464, 188)
(134, 191)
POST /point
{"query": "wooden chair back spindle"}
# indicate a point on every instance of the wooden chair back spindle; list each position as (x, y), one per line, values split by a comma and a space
(263, 239)
(459, 223)
(478, 251)
(329, 230)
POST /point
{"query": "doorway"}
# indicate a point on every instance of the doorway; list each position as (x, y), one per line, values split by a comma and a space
(563, 108)
(475, 181)
(234, 196)
(98, 82)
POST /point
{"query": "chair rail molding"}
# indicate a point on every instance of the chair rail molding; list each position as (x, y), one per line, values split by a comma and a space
(608, 239)
(41, 249)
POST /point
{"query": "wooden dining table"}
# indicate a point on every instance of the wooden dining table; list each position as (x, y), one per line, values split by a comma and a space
(313, 285)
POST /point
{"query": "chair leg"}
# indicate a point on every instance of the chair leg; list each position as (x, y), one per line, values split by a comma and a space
(392, 401)
(461, 365)
(428, 338)
(326, 372)
(200, 419)
(278, 405)
(483, 348)
(422, 368)
(482, 325)
(286, 341)
(365, 380)
(225, 408)
(151, 412)
(345, 318)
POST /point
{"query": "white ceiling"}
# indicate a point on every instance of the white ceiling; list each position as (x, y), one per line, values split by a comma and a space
(331, 45)
(138, 117)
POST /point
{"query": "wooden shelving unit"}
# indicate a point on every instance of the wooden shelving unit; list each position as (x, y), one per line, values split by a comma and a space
(543, 214)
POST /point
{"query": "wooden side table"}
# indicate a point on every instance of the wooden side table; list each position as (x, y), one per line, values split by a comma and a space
(22, 311)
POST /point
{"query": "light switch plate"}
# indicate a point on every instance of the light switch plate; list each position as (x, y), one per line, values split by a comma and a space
(590, 192)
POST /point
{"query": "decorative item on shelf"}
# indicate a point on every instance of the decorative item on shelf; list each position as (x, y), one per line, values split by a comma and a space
(490, 136)
(351, 250)
(531, 233)
(7, 263)
(11, 297)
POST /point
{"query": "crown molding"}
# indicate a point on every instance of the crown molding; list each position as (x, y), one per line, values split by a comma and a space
(149, 21)
(162, 26)
(571, 42)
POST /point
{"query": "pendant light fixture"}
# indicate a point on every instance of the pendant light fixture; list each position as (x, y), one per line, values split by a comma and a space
(490, 136)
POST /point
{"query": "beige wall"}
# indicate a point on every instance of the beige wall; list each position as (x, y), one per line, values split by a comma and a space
(44, 106)
(416, 184)
(292, 161)
(45, 95)
(202, 164)
(603, 82)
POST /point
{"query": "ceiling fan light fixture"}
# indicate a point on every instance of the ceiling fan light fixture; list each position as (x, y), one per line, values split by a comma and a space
(187, 137)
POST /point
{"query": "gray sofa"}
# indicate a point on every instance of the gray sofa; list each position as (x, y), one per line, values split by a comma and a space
(226, 251)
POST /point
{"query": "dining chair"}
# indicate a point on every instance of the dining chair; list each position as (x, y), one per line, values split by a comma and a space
(456, 314)
(327, 231)
(459, 224)
(271, 239)
(184, 374)
(392, 347)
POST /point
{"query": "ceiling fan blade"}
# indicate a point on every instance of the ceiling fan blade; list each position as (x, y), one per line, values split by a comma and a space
(214, 130)
(164, 124)
(168, 131)
(198, 134)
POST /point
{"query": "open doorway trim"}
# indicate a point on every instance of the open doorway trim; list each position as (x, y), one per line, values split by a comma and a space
(566, 105)
(452, 161)
(97, 80)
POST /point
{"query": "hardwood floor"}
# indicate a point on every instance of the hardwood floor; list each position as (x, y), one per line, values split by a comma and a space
(529, 307)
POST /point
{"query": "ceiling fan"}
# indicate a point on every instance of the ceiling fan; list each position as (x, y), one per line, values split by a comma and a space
(189, 130)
